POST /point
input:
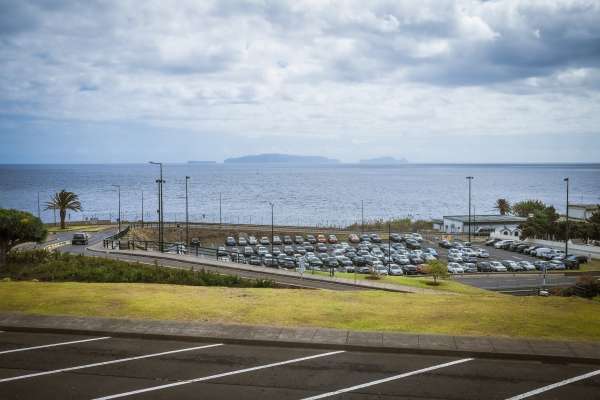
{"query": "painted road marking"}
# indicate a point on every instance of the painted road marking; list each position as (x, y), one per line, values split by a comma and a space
(52, 345)
(210, 377)
(384, 380)
(555, 385)
(120, 360)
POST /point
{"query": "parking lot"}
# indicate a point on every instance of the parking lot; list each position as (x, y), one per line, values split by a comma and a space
(38, 365)
(407, 254)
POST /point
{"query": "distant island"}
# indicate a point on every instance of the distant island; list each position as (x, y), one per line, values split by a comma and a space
(384, 160)
(201, 162)
(281, 158)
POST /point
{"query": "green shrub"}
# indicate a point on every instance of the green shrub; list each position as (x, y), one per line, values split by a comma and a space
(60, 267)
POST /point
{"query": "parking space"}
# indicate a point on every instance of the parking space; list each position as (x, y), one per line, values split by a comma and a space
(163, 369)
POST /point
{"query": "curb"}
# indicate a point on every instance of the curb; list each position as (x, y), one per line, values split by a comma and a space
(555, 359)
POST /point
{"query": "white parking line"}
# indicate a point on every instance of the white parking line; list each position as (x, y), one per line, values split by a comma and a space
(120, 360)
(210, 377)
(555, 385)
(52, 345)
(384, 380)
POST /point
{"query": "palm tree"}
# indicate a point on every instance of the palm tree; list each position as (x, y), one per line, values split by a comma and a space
(63, 201)
(503, 206)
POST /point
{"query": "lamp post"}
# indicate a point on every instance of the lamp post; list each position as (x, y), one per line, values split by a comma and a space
(469, 179)
(160, 182)
(220, 215)
(187, 220)
(38, 206)
(567, 226)
(142, 209)
(272, 225)
(389, 248)
(119, 214)
(362, 216)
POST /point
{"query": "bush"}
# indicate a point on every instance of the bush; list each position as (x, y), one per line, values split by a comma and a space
(436, 269)
(60, 267)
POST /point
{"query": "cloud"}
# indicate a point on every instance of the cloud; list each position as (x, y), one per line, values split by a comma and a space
(274, 69)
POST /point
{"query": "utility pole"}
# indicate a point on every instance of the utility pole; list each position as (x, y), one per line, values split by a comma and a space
(567, 226)
(272, 225)
(187, 220)
(142, 209)
(220, 214)
(38, 206)
(160, 210)
(389, 249)
(362, 216)
(469, 178)
(119, 215)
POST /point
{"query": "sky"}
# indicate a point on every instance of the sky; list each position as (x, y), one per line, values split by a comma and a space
(430, 81)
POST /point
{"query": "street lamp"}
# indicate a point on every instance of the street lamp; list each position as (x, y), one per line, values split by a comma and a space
(272, 225)
(160, 182)
(362, 216)
(567, 226)
(142, 209)
(389, 249)
(119, 215)
(38, 206)
(187, 220)
(469, 178)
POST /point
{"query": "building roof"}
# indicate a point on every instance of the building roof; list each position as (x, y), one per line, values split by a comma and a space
(487, 219)
(586, 206)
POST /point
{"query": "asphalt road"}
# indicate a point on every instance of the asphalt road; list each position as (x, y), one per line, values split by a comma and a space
(159, 369)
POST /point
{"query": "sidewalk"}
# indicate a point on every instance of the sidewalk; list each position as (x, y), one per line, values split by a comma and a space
(97, 248)
(483, 347)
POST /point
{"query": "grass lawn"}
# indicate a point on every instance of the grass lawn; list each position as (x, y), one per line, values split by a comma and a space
(78, 228)
(593, 265)
(423, 282)
(487, 314)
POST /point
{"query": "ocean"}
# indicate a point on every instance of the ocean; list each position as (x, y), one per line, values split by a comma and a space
(302, 194)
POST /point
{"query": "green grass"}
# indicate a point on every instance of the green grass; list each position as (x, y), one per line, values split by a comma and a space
(460, 314)
(78, 228)
(593, 265)
(422, 282)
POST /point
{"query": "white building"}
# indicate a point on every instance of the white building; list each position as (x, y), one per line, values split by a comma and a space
(582, 211)
(505, 225)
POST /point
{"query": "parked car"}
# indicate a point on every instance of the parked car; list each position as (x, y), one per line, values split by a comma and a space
(484, 266)
(491, 242)
(269, 261)
(432, 251)
(252, 241)
(365, 238)
(287, 239)
(265, 241)
(526, 265)
(289, 250)
(395, 237)
(470, 267)
(277, 240)
(557, 264)
(322, 248)
(353, 238)
(248, 251)
(482, 253)
(230, 241)
(541, 265)
(375, 238)
(321, 238)
(455, 258)
(332, 239)
(511, 265)
(455, 268)
(412, 244)
(80, 238)
(254, 260)
(395, 270)
(311, 239)
(445, 244)
(222, 251)
(242, 241)
(497, 266)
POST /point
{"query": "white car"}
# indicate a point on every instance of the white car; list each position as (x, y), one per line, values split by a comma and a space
(497, 266)
(526, 265)
(455, 268)
(395, 270)
(482, 253)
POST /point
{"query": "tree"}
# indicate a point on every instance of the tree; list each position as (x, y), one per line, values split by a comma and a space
(18, 227)
(437, 269)
(526, 207)
(595, 217)
(63, 201)
(503, 206)
(542, 224)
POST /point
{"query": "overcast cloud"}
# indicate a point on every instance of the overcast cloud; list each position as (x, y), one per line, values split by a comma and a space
(432, 81)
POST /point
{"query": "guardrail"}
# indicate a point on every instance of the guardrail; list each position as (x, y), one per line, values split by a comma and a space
(56, 245)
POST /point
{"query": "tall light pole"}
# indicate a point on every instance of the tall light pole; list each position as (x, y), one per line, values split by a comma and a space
(362, 216)
(220, 209)
(389, 248)
(469, 178)
(160, 182)
(142, 209)
(119, 215)
(187, 220)
(567, 226)
(272, 225)
(38, 206)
